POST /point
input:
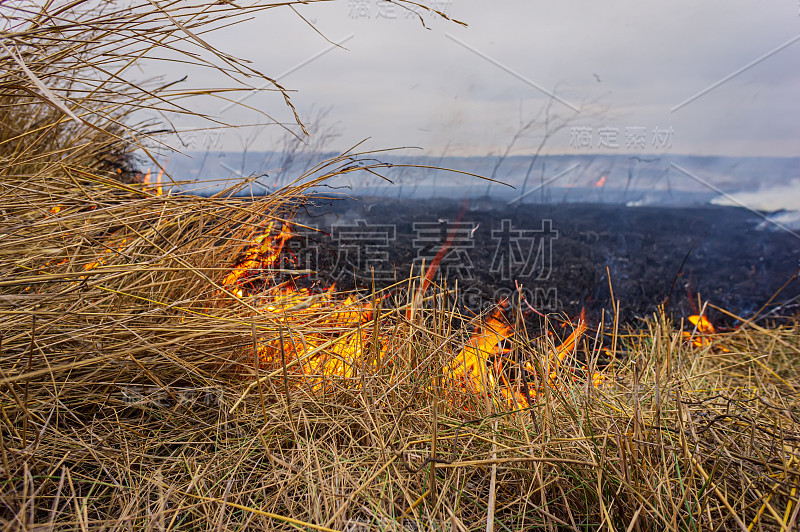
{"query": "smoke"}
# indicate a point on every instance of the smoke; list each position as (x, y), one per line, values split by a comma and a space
(783, 201)
(781, 198)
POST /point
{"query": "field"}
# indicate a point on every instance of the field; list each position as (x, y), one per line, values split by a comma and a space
(162, 366)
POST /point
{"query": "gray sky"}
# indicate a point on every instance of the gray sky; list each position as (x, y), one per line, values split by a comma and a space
(629, 67)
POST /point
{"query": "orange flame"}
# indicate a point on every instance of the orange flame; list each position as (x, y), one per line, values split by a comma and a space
(600, 182)
(704, 329)
(325, 335)
(434, 267)
(335, 346)
(470, 367)
(146, 182)
(568, 347)
(478, 367)
(337, 325)
(159, 192)
(263, 254)
(702, 324)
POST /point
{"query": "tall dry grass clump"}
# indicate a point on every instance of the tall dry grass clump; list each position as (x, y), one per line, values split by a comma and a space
(133, 396)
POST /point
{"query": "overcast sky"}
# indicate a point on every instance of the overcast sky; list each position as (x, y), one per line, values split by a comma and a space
(717, 77)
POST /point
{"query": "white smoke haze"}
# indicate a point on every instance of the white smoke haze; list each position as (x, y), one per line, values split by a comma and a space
(782, 201)
(771, 199)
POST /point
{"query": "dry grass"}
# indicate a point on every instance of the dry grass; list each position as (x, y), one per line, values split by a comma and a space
(128, 402)
(130, 397)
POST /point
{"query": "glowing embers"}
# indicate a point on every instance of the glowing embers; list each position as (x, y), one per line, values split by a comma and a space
(100, 259)
(103, 258)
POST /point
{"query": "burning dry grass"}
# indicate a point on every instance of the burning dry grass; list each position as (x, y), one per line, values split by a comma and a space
(133, 396)
(130, 397)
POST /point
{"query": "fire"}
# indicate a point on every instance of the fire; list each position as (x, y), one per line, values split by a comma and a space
(433, 268)
(262, 255)
(704, 329)
(330, 336)
(146, 182)
(336, 323)
(473, 367)
(103, 258)
(482, 365)
(600, 182)
(702, 324)
(336, 345)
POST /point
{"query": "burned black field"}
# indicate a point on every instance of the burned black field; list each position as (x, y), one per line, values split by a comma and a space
(560, 255)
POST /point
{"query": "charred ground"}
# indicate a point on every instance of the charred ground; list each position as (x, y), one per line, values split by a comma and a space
(560, 254)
